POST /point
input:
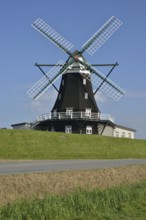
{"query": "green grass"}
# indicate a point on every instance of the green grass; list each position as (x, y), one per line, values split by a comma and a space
(127, 202)
(21, 144)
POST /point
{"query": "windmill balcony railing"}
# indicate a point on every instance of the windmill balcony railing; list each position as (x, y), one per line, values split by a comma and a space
(75, 116)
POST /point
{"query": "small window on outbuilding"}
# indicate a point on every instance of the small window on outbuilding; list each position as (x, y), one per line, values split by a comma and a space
(116, 134)
(129, 135)
(123, 134)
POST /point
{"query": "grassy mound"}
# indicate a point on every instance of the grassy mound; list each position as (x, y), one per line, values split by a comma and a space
(21, 144)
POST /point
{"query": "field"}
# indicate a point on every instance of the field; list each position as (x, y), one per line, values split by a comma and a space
(110, 194)
(13, 187)
(103, 194)
(20, 144)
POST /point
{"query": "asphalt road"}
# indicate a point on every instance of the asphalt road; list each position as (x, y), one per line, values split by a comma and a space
(39, 166)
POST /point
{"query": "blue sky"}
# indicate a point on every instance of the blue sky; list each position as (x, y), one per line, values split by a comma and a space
(21, 46)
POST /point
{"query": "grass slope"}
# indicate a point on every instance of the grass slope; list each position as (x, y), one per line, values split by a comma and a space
(21, 144)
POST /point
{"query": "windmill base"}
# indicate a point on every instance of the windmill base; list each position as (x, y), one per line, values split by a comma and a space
(100, 127)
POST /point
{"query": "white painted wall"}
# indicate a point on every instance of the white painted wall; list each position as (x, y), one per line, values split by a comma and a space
(123, 132)
(108, 131)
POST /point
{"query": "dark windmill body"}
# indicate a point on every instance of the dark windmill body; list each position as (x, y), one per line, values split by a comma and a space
(75, 91)
(75, 109)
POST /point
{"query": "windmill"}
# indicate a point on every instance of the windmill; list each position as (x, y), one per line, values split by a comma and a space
(75, 109)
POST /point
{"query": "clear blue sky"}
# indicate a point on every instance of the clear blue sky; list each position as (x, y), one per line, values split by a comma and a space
(21, 46)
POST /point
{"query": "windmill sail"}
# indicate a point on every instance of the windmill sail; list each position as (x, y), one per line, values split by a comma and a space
(91, 46)
(45, 82)
(101, 36)
(52, 35)
(108, 87)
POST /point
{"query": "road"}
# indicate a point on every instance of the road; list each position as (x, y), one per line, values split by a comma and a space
(38, 166)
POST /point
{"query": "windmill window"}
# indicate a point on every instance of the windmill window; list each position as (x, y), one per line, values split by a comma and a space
(86, 95)
(84, 81)
(63, 82)
(69, 111)
(59, 96)
(68, 129)
(52, 128)
(55, 113)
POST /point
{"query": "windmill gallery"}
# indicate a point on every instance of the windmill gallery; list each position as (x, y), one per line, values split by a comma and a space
(75, 109)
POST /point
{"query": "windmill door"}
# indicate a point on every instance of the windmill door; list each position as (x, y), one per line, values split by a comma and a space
(88, 112)
(88, 129)
(68, 129)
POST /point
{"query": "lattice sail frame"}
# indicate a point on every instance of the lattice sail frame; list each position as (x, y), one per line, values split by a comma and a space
(102, 35)
(52, 35)
(43, 84)
(91, 46)
(108, 87)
